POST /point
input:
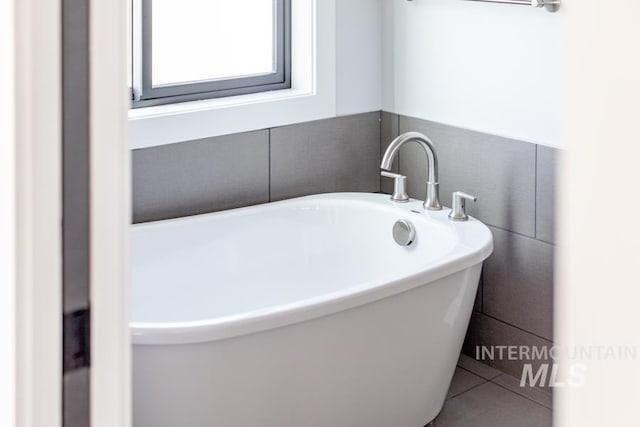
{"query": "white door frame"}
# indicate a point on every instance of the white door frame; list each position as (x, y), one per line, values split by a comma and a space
(31, 214)
(38, 213)
(110, 216)
(597, 288)
(7, 217)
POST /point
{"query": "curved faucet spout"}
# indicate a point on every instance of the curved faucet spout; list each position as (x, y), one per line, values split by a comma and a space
(431, 201)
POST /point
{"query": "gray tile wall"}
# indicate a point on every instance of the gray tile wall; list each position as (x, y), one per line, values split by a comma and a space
(547, 163)
(212, 174)
(487, 331)
(515, 185)
(200, 176)
(388, 130)
(341, 154)
(500, 171)
(518, 283)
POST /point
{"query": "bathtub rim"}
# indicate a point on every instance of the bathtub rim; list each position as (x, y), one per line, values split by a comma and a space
(199, 331)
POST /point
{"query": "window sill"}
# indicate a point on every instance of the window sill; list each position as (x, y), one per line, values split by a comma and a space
(312, 96)
(168, 124)
(215, 104)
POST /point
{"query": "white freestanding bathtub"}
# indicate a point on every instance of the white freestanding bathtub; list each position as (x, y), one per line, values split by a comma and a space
(301, 313)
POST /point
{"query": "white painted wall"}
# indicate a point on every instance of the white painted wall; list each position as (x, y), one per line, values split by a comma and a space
(490, 67)
(358, 56)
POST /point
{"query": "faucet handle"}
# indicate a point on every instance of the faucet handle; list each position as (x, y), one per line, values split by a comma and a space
(399, 186)
(458, 212)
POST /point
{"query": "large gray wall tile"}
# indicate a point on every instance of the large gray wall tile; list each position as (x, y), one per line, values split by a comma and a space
(499, 171)
(200, 176)
(388, 132)
(341, 154)
(487, 332)
(546, 193)
(518, 283)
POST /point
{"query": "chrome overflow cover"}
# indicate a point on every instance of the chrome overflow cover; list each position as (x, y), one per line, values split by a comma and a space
(404, 233)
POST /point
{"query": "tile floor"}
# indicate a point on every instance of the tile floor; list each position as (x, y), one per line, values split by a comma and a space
(481, 396)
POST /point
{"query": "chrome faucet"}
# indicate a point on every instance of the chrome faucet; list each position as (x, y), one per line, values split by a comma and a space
(431, 201)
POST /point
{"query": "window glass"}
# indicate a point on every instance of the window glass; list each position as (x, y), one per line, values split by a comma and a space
(202, 40)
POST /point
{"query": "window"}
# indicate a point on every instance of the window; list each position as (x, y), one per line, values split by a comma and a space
(185, 50)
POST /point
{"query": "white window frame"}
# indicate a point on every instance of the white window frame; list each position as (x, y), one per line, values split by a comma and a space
(145, 94)
(311, 96)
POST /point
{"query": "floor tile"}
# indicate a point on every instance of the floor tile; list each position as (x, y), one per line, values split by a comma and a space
(478, 368)
(541, 396)
(490, 405)
(462, 381)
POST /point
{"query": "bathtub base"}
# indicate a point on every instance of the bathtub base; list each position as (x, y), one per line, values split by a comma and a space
(387, 363)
